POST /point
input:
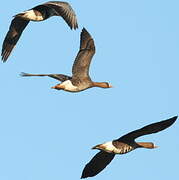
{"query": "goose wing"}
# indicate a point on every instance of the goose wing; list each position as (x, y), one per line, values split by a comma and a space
(64, 10)
(97, 164)
(82, 62)
(149, 129)
(15, 30)
(60, 77)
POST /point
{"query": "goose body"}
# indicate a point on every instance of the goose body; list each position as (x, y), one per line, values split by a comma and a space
(68, 86)
(115, 147)
(122, 145)
(37, 13)
(80, 79)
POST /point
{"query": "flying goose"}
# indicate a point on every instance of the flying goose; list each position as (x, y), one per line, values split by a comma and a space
(80, 79)
(37, 13)
(122, 145)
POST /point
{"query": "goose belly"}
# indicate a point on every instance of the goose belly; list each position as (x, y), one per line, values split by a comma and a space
(123, 150)
(68, 86)
(117, 148)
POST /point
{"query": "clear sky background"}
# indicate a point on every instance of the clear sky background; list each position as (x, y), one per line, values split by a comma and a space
(48, 134)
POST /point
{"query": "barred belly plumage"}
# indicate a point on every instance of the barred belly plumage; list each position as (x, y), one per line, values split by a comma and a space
(124, 149)
(116, 147)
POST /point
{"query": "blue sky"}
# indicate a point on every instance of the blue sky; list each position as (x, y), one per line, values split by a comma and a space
(48, 134)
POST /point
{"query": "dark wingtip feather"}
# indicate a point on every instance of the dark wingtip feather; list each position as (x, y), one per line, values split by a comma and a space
(167, 123)
(6, 51)
(83, 176)
(74, 26)
(86, 173)
(85, 34)
(175, 117)
(3, 60)
(97, 164)
(84, 30)
(172, 120)
(5, 54)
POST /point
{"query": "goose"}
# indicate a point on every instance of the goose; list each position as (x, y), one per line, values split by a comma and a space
(80, 79)
(37, 13)
(122, 145)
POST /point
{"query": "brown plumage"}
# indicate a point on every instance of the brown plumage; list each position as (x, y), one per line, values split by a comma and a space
(122, 145)
(38, 13)
(80, 79)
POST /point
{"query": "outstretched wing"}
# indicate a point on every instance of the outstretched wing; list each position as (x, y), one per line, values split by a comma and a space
(97, 164)
(60, 77)
(64, 10)
(149, 129)
(82, 62)
(15, 30)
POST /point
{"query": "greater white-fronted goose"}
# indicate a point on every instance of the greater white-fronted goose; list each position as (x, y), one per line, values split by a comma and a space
(80, 79)
(37, 13)
(122, 145)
